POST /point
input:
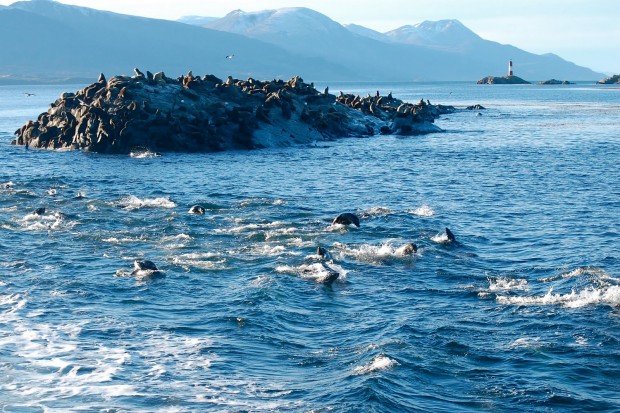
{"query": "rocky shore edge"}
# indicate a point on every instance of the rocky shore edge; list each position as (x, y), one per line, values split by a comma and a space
(207, 114)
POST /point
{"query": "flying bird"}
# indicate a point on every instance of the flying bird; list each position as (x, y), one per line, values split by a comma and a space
(230, 56)
(29, 94)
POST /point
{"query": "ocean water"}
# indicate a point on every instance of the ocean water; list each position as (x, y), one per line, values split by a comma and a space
(521, 313)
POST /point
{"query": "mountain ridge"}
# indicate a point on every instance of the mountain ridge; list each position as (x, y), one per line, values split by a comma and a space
(72, 41)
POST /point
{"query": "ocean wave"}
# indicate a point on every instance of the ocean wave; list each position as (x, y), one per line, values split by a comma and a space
(594, 272)
(380, 362)
(315, 271)
(377, 212)
(508, 284)
(211, 261)
(252, 227)
(376, 254)
(132, 202)
(441, 238)
(143, 154)
(609, 295)
(422, 211)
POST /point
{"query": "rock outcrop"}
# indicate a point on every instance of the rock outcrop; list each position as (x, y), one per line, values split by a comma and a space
(555, 82)
(613, 80)
(203, 114)
(504, 80)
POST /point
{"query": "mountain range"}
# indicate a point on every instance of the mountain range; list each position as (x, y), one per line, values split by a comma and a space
(51, 41)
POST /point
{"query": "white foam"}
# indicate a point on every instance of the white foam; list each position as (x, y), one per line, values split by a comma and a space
(379, 211)
(380, 362)
(132, 202)
(252, 227)
(508, 284)
(609, 295)
(202, 260)
(316, 271)
(176, 241)
(441, 238)
(377, 254)
(527, 342)
(422, 211)
(144, 154)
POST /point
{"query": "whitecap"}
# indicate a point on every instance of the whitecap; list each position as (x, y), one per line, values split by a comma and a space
(378, 211)
(176, 241)
(317, 271)
(132, 202)
(422, 211)
(142, 154)
(508, 284)
(203, 260)
(441, 238)
(377, 254)
(609, 295)
(381, 362)
(527, 342)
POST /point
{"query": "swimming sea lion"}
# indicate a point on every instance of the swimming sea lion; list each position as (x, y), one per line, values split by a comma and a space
(197, 209)
(347, 218)
(450, 235)
(408, 249)
(144, 266)
(39, 211)
(323, 253)
(330, 277)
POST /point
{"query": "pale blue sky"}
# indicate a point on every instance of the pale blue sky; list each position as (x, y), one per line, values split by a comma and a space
(586, 32)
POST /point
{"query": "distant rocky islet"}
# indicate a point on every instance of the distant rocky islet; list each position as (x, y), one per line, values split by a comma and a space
(206, 114)
(612, 80)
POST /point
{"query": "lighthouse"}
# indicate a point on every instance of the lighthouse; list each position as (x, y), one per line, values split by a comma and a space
(510, 67)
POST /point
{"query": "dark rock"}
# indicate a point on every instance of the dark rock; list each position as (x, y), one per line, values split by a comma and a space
(613, 80)
(504, 80)
(198, 114)
(555, 82)
(475, 107)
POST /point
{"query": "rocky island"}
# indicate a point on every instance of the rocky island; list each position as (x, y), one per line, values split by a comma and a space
(613, 80)
(205, 114)
(503, 80)
(555, 82)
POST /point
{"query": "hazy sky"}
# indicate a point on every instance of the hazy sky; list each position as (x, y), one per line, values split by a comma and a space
(586, 32)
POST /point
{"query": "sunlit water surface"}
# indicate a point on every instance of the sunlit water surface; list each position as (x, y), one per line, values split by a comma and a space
(521, 313)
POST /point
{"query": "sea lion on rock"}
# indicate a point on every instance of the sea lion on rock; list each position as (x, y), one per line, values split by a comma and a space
(197, 209)
(347, 218)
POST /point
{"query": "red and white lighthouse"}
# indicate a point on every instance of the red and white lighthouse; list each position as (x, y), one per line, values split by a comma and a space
(510, 67)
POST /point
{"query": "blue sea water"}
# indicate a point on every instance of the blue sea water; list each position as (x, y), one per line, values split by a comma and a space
(521, 313)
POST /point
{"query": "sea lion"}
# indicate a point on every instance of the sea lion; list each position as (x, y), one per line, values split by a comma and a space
(144, 267)
(347, 218)
(408, 249)
(138, 72)
(331, 276)
(450, 235)
(323, 253)
(39, 211)
(197, 209)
